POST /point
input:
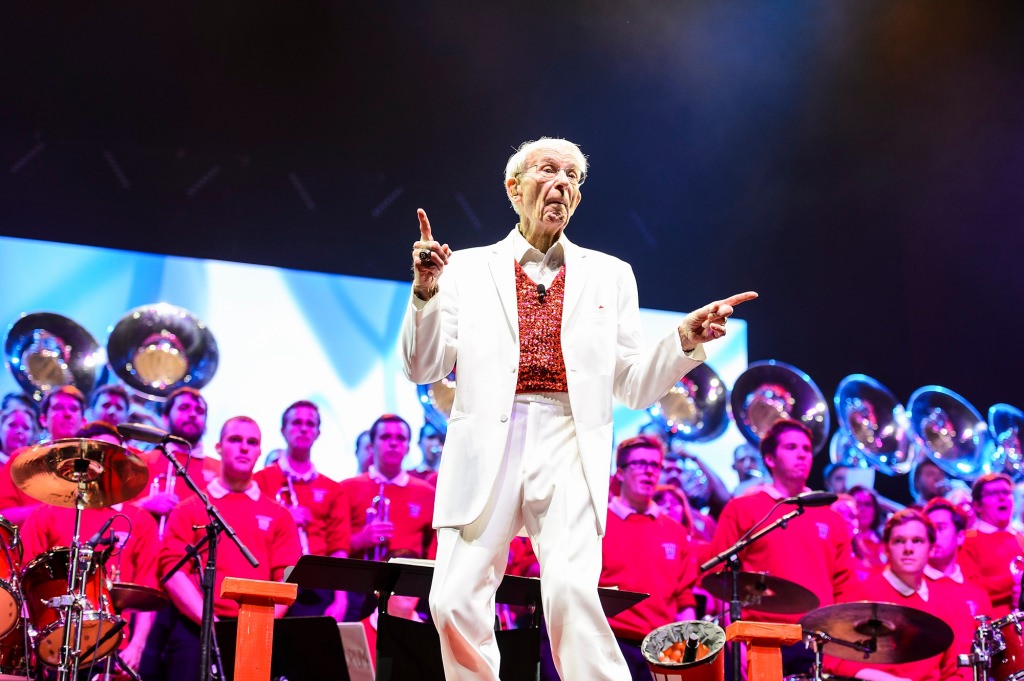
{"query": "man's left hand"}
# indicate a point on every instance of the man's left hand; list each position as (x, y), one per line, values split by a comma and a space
(708, 323)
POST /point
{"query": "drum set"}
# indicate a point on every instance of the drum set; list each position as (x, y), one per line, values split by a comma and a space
(59, 610)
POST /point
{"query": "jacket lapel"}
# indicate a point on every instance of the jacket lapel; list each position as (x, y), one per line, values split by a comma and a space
(501, 263)
(576, 273)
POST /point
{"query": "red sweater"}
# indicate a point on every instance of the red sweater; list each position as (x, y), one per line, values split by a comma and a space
(813, 550)
(942, 602)
(992, 554)
(328, 532)
(411, 511)
(265, 528)
(649, 555)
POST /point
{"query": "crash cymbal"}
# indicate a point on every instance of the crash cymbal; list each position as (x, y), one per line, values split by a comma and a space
(126, 596)
(766, 593)
(899, 634)
(58, 472)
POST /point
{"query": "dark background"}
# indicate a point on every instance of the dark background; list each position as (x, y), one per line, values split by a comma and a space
(857, 162)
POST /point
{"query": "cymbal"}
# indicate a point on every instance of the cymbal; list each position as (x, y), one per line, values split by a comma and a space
(127, 596)
(763, 592)
(901, 634)
(59, 472)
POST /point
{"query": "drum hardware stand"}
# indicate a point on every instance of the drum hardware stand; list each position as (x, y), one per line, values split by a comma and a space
(987, 641)
(731, 558)
(72, 603)
(816, 640)
(216, 525)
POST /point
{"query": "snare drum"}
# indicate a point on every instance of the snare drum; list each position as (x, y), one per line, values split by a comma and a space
(10, 564)
(46, 577)
(1008, 660)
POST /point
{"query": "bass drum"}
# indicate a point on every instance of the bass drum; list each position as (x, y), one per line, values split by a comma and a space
(10, 564)
(46, 577)
(13, 660)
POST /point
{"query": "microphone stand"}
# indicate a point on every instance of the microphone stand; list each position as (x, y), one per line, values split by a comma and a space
(208, 579)
(731, 558)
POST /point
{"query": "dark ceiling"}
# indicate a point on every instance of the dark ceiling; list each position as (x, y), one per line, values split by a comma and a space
(858, 162)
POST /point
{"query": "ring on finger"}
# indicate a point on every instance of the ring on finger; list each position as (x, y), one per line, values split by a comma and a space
(424, 255)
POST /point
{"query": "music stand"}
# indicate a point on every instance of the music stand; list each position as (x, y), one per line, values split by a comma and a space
(305, 648)
(408, 649)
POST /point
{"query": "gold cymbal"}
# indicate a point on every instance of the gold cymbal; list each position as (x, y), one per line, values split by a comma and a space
(760, 591)
(900, 634)
(126, 596)
(59, 472)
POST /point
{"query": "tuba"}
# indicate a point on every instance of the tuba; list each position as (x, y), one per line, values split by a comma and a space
(156, 349)
(872, 427)
(44, 350)
(771, 390)
(949, 431)
(695, 408)
(1005, 423)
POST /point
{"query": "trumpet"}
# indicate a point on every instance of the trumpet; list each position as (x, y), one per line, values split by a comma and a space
(169, 478)
(287, 498)
(380, 511)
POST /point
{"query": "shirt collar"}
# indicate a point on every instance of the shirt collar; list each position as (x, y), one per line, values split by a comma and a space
(904, 589)
(772, 491)
(525, 252)
(196, 453)
(985, 527)
(286, 468)
(400, 480)
(957, 575)
(217, 490)
(623, 510)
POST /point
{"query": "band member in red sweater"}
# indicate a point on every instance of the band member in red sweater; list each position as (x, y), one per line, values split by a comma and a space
(992, 544)
(813, 550)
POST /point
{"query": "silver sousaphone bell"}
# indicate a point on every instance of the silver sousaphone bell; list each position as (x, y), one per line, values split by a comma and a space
(771, 390)
(156, 349)
(1005, 423)
(695, 408)
(44, 350)
(873, 423)
(437, 399)
(949, 430)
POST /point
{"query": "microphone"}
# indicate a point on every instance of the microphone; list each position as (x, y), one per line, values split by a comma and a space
(541, 292)
(812, 499)
(144, 433)
(98, 538)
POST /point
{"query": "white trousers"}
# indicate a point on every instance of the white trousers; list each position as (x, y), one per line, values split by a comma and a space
(540, 486)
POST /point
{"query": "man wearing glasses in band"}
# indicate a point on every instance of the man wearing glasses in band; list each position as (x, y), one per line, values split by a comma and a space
(545, 333)
(992, 544)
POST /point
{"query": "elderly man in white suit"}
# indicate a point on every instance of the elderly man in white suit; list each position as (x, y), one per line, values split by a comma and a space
(545, 333)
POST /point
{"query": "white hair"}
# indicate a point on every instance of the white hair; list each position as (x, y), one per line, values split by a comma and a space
(517, 161)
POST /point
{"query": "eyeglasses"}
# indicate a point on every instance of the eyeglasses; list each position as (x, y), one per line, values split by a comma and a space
(989, 493)
(549, 171)
(641, 465)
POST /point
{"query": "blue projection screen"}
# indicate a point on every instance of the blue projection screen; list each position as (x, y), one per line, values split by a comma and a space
(283, 335)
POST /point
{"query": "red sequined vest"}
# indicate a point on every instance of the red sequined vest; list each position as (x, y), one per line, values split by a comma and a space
(541, 365)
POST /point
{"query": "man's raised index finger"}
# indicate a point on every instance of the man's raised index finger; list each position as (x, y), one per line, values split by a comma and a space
(424, 225)
(738, 298)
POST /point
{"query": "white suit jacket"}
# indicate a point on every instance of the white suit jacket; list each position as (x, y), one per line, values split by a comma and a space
(474, 321)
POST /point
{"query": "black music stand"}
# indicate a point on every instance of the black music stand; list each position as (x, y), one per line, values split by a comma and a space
(304, 649)
(407, 650)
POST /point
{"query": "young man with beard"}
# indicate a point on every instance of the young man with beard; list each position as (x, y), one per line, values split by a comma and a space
(265, 528)
(184, 415)
(61, 415)
(318, 509)
(909, 537)
(992, 545)
(813, 550)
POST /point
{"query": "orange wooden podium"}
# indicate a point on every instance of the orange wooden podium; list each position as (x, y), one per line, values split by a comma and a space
(764, 646)
(256, 600)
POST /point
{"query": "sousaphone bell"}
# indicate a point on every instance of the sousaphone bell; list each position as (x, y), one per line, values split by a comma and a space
(695, 408)
(156, 349)
(949, 430)
(874, 423)
(771, 390)
(44, 350)
(1005, 423)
